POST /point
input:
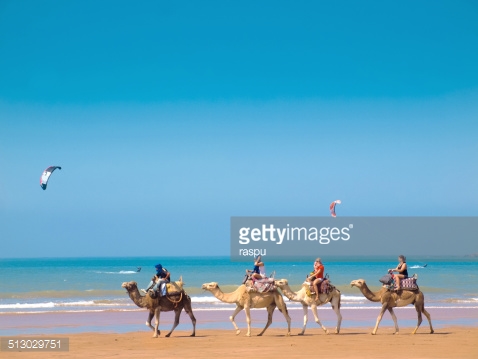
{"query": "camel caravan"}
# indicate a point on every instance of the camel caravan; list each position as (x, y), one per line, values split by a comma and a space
(260, 291)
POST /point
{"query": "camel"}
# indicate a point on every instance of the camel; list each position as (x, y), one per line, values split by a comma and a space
(301, 296)
(162, 304)
(247, 300)
(391, 299)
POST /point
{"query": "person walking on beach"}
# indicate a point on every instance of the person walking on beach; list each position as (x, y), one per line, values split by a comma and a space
(259, 271)
(317, 276)
(402, 272)
(161, 277)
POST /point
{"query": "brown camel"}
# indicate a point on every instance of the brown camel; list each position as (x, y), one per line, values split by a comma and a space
(307, 301)
(247, 300)
(391, 299)
(174, 303)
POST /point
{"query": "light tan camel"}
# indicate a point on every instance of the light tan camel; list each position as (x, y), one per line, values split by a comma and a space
(301, 296)
(247, 300)
(391, 299)
(174, 303)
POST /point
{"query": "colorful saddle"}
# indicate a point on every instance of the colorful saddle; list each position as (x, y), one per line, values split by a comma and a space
(409, 284)
(324, 287)
(261, 285)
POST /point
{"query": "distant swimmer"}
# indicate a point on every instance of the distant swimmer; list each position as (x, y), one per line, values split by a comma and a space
(139, 269)
(425, 265)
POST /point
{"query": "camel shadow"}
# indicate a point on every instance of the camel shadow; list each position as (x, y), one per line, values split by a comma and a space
(329, 335)
(187, 336)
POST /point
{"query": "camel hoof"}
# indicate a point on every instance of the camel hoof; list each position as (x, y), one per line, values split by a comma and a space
(155, 336)
(168, 335)
(259, 335)
(238, 332)
(326, 332)
(373, 333)
(432, 332)
(288, 334)
(193, 335)
(248, 335)
(300, 334)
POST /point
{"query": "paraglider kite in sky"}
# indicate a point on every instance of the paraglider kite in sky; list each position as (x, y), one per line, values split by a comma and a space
(46, 175)
(332, 207)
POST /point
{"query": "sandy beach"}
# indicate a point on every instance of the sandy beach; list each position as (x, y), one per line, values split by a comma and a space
(453, 342)
(91, 335)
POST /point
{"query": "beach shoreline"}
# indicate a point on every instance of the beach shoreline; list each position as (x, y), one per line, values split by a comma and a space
(450, 342)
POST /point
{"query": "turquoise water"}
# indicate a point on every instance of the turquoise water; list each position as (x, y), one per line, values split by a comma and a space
(94, 284)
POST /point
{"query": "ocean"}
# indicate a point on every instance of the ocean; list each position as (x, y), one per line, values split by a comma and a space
(94, 284)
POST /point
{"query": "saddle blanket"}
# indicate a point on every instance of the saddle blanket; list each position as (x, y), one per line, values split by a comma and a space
(324, 287)
(409, 284)
(261, 285)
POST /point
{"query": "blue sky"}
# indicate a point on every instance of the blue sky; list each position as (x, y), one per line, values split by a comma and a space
(170, 118)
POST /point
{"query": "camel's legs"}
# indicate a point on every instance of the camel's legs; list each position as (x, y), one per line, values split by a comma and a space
(428, 317)
(248, 320)
(177, 314)
(231, 318)
(305, 308)
(156, 325)
(316, 316)
(283, 309)
(148, 321)
(270, 312)
(384, 308)
(335, 302)
(394, 317)
(419, 314)
(188, 308)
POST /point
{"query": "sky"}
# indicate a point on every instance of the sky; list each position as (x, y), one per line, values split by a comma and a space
(169, 118)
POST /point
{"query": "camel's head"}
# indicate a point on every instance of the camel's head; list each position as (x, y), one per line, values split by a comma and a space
(129, 286)
(210, 286)
(281, 283)
(357, 283)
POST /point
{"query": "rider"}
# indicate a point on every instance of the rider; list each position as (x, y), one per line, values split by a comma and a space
(259, 271)
(402, 272)
(317, 276)
(162, 276)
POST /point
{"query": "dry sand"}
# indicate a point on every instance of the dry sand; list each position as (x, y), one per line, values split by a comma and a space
(452, 342)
